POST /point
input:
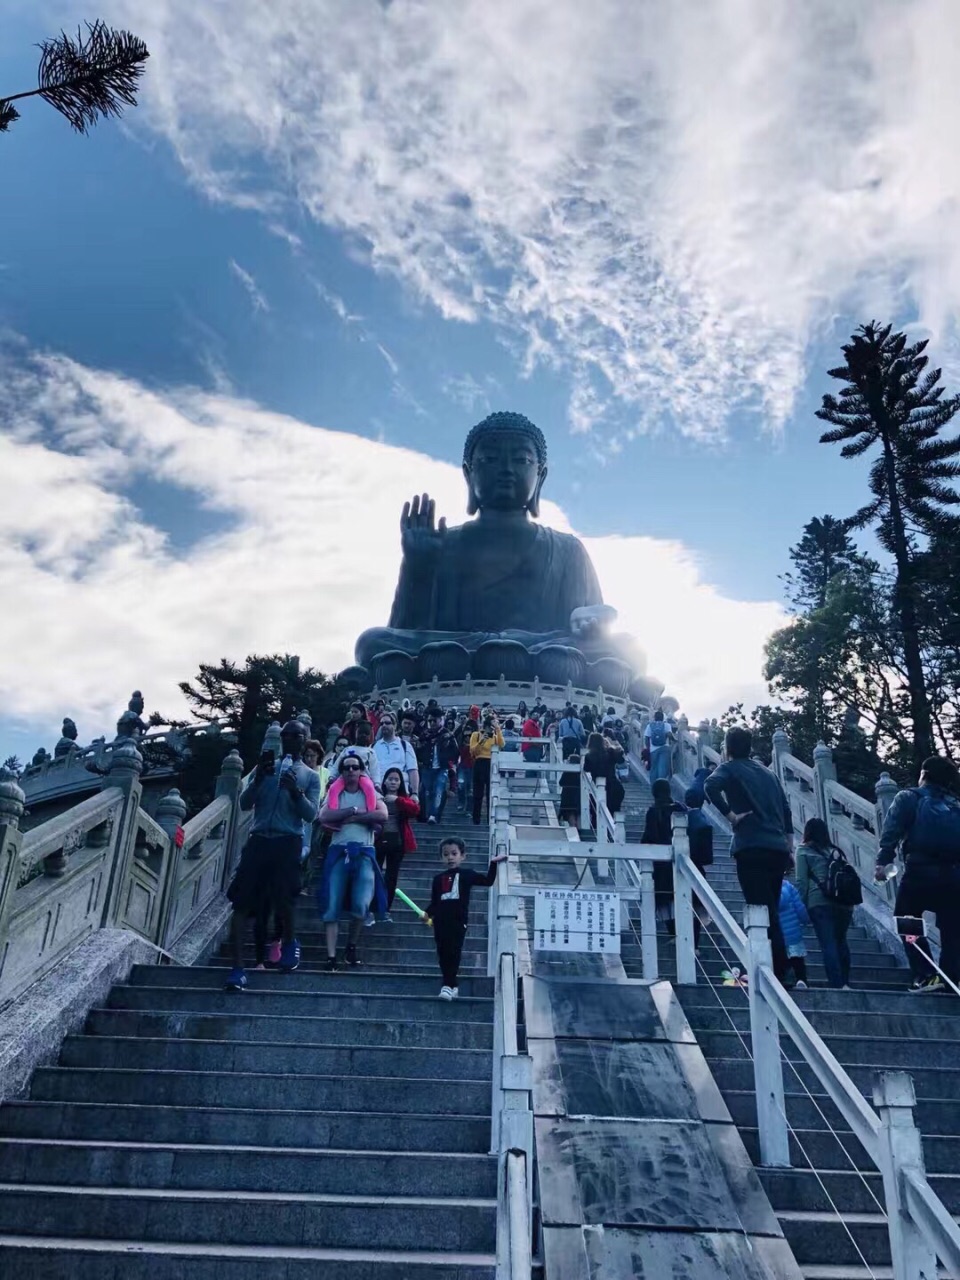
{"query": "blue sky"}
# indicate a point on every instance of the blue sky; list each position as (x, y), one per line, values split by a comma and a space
(389, 224)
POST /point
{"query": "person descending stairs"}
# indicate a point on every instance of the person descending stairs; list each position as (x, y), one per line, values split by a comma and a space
(314, 1118)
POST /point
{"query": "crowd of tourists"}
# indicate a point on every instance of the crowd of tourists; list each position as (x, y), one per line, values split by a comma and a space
(337, 815)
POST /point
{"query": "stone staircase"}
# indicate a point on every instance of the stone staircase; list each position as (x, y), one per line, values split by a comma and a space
(829, 1203)
(339, 1119)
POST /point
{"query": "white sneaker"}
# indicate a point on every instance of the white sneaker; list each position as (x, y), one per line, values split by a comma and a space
(431, 818)
(801, 986)
(447, 993)
(454, 992)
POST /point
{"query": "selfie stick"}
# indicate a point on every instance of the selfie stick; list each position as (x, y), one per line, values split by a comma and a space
(413, 906)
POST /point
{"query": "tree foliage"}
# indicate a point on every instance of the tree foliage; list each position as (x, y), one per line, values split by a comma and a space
(94, 76)
(891, 401)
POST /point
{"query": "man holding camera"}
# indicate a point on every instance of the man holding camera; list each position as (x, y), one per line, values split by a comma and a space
(482, 743)
(283, 797)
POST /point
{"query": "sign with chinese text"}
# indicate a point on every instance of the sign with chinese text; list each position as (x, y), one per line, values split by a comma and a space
(577, 920)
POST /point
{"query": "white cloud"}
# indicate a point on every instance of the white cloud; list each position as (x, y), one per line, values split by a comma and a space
(98, 602)
(253, 289)
(668, 201)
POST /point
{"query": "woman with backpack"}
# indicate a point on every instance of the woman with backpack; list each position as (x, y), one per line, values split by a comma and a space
(816, 884)
(657, 740)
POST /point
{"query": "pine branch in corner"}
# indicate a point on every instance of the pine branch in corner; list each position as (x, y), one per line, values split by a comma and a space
(87, 78)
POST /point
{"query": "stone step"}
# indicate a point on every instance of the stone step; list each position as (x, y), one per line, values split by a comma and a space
(193, 1168)
(54, 1258)
(872, 977)
(382, 1008)
(295, 1031)
(421, 956)
(817, 1111)
(843, 1151)
(850, 1190)
(911, 1024)
(827, 999)
(849, 1049)
(369, 1130)
(737, 1074)
(853, 1239)
(163, 1054)
(345, 979)
(251, 1089)
(231, 1217)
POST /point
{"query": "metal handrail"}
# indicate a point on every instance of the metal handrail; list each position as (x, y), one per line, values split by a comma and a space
(519, 1250)
(929, 1213)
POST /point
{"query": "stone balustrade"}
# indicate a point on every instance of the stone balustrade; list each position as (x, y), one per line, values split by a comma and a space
(106, 864)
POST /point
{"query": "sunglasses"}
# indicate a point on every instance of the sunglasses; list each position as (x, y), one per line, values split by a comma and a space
(349, 768)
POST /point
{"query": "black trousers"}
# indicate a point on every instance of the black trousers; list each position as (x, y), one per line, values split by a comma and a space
(760, 872)
(389, 850)
(449, 933)
(937, 889)
(481, 787)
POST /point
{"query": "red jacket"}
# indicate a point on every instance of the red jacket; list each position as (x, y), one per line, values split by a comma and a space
(530, 730)
(407, 808)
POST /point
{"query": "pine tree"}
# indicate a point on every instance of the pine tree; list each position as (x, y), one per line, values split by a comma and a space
(889, 400)
(86, 78)
(824, 550)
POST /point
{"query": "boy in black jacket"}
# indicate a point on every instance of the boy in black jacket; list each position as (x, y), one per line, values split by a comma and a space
(450, 906)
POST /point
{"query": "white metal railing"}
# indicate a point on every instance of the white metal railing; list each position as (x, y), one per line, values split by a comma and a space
(919, 1225)
(511, 1124)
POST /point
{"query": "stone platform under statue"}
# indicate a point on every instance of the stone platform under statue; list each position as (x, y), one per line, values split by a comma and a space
(500, 596)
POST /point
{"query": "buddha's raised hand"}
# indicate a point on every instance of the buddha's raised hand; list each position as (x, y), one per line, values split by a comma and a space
(421, 537)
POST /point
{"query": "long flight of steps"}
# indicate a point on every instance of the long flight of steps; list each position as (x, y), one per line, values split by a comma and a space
(829, 1203)
(315, 1124)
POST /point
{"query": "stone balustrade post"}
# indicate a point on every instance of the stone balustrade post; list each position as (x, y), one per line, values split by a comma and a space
(683, 904)
(765, 1039)
(703, 740)
(229, 785)
(12, 801)
(123, 771)
(824, 770)
(900, 1149)
(170, 815)
(781, 748)
(885, 790)
(680, 749)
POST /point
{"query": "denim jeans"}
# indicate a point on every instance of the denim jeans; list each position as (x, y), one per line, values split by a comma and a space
(464, 786)
(831, 923)
(660, 762)
(434, 790)
(353, 864)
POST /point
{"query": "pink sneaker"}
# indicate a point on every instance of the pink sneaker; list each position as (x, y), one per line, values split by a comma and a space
(273, 954)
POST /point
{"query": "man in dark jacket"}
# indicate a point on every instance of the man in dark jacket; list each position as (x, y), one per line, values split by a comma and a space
(925, 822)
(437, 754)
(750, 796)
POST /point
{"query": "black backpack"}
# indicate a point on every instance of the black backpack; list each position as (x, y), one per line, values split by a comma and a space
(842, 885)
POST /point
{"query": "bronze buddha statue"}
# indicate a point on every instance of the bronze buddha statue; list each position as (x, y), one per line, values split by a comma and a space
(500, 594)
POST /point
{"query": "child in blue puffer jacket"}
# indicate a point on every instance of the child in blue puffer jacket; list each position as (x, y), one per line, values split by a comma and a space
(793, 919)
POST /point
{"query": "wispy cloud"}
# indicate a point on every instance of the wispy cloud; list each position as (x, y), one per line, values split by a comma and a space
(144, 615)
(464, 390)
(253, 289)
(669, 208)
(335, 303)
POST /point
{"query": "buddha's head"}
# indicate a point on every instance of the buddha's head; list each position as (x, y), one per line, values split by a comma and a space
(505, 464)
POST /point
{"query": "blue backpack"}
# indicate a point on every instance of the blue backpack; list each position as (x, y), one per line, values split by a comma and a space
(935, 833)
(658, 733)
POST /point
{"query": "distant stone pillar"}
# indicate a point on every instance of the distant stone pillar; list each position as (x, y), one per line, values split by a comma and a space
(824, 771)
(885, 790)
(306, 719)
(781, 748)
(11, 838)
(271, 739)
(704, 734)
(123, 771)
(171, 812)
(228, 784)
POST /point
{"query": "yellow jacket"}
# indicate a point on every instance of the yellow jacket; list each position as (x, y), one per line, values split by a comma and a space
(482, 744)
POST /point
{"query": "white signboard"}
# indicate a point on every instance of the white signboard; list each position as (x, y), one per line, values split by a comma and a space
(576, 920)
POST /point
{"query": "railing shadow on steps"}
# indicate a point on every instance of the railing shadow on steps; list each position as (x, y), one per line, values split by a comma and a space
(108, 864)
